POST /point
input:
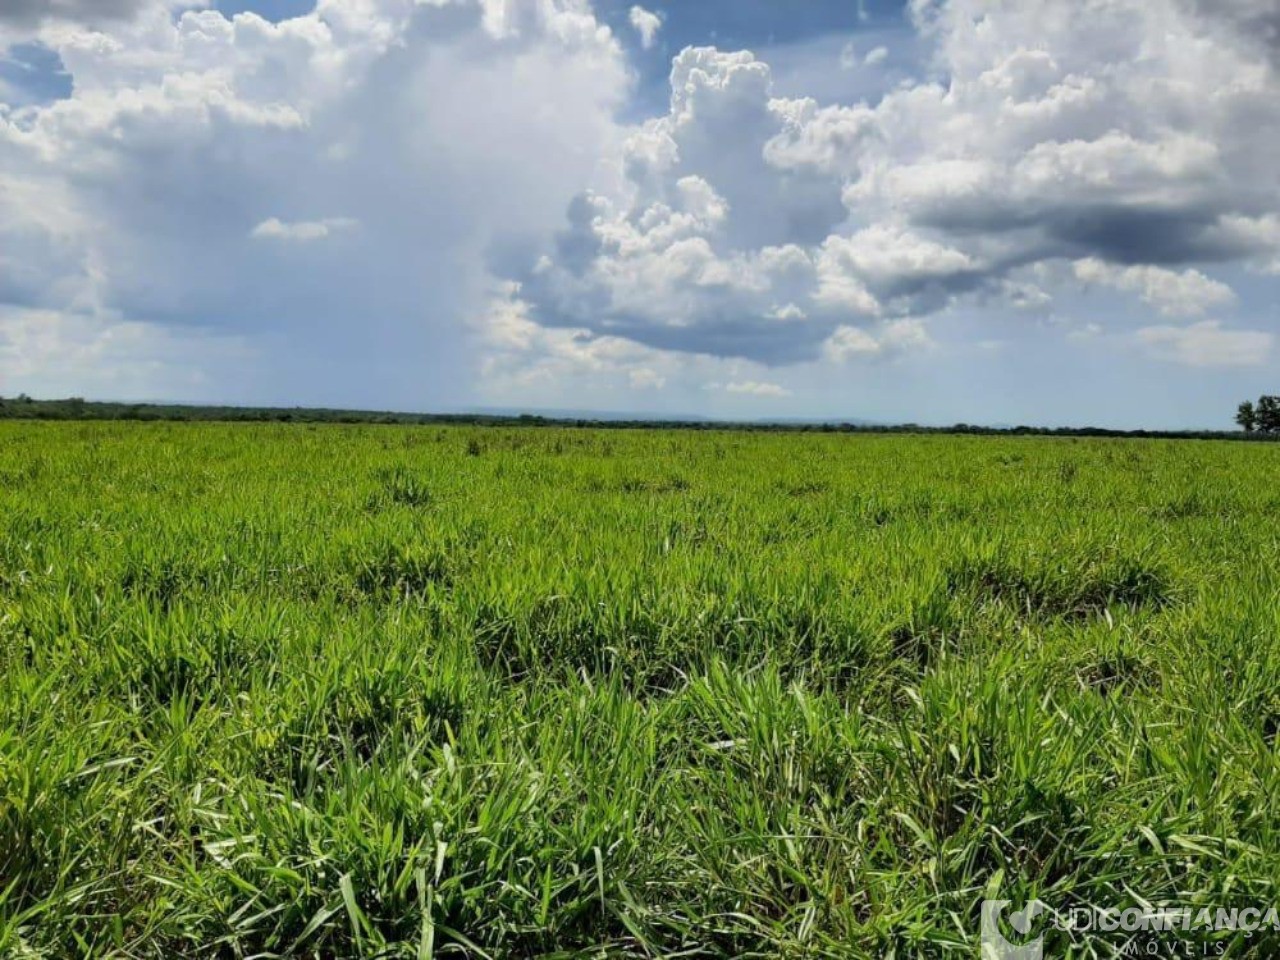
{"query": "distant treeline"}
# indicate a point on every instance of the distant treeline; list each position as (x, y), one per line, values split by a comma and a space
(76, 408)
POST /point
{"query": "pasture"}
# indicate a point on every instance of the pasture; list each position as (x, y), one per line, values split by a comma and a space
(354, 691)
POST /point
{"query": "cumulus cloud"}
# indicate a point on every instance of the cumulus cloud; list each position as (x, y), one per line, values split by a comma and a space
(1172, 292)
(646, 23)
(1207, 344)
(707, 250)
(522, 355)
(645, 378)
(1122, 149)
(301, 231)
(756, 388)
(848, 342)
(520, 352)
(189, 183)
(138, 195)
(876, 56)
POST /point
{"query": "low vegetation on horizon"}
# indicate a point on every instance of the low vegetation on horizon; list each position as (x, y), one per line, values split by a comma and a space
(1260, 424)
(422, 691)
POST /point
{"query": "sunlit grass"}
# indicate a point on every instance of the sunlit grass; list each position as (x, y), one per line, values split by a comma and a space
(419, 691)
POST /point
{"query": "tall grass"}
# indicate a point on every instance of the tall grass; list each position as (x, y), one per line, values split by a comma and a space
(414, 692)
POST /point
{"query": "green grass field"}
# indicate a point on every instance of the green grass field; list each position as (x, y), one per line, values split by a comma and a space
(416, 691)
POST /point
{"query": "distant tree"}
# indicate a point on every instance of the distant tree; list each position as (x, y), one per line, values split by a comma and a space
(1246, 416)
(1267, 412)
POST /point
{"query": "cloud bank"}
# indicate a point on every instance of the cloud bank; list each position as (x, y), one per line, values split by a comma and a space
(330, 188)
(1119, 146)
(398, 203)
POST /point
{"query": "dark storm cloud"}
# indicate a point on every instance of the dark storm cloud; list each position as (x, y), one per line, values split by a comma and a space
(1119, 233)
(724, 335)
(1256, 22)
(1161, 237)
(32, 12)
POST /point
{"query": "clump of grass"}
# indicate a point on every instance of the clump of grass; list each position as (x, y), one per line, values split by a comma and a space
(1076, 587)
(1112, 672)
(804, 488)
(926, 632)
(402, 486)
(391, 569)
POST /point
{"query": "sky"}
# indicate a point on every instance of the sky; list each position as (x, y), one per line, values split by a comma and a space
(1054, 212)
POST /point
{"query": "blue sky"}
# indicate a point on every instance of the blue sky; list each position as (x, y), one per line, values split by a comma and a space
(970, 210)
(792, 30)
(743, 23)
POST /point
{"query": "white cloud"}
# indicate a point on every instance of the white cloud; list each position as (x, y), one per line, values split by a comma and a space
(522, 352)
(892, 259)
(787, 312)
(1127, 142)
(560, 364)
(905, 335)
(850, 59)
(53, 353)
(1085, 332)
(709, 248)
(1187, 292)
(1259, 235)
(301, 231)
(1023, 295)
(846, 342)
(647, 24)
(1207, 344)
(757, 388)
(895, 337)
(468, 141)
(137, 195)
(645, 378)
